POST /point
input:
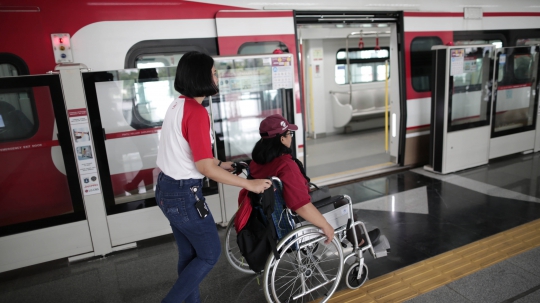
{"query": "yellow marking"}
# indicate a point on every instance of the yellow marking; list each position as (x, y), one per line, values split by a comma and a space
(422, 277)
(386, 105)
(311, 110)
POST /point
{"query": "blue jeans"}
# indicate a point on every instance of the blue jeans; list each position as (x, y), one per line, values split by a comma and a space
(196, 237)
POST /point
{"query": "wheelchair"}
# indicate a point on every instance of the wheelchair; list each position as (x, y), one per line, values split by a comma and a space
(307, 269)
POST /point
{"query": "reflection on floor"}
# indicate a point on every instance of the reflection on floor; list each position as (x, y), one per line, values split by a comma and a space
(421, 214)
(343, 152)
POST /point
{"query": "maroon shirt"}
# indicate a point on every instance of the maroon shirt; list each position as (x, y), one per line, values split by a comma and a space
(295, 186)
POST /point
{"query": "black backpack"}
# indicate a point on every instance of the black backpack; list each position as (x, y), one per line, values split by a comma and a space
(258, 237)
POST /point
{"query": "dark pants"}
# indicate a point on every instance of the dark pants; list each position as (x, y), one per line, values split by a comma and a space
(197, 238)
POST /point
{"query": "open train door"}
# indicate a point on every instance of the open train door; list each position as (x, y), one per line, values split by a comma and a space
(260, 32)
(353, 80)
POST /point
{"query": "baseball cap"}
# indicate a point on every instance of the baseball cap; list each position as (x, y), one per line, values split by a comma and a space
(274, 125)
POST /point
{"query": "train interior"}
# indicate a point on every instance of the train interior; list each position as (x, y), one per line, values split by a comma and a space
(360, 128)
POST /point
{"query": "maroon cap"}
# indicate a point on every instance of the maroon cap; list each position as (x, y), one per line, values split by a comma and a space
(274, 125)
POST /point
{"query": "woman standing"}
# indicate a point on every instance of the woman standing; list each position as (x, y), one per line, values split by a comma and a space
(185, 157)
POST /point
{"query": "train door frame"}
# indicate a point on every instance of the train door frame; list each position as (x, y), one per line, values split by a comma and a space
(397, 110)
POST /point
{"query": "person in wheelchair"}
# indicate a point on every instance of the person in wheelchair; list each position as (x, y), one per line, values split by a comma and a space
(272, 156)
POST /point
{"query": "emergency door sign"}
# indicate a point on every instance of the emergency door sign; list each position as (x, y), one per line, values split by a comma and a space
(84, 151)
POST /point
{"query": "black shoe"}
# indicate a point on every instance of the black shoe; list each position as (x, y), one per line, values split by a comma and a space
(374, 236)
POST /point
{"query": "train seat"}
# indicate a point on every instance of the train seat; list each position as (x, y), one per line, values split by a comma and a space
(365, 104)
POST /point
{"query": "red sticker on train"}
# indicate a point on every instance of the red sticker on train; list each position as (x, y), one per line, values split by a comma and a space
(77, 112)
(30, 146)
(133, 133)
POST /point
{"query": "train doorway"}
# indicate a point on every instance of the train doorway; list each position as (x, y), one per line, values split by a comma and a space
(351, 67)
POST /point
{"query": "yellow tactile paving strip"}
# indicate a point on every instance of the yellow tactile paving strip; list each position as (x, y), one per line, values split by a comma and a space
(422, 277)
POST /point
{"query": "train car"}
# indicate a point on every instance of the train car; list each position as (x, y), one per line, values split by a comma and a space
(83, 86)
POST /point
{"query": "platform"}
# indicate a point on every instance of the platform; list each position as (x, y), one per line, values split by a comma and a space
(472, 236)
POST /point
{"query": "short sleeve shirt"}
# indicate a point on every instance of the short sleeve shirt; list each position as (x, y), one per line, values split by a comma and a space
(295, 186)
(196, 130)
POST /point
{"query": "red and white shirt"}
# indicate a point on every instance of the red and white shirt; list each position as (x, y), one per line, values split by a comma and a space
(185, 139)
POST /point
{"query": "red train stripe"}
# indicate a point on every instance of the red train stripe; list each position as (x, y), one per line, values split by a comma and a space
(513, 86)
(133, 133)
(512, 14)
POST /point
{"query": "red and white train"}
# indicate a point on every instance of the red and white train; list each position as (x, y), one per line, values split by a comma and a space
(79, 120)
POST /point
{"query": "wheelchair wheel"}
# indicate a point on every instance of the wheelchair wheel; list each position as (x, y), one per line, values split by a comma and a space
(232, 251)
(308, 270)
(353, 282)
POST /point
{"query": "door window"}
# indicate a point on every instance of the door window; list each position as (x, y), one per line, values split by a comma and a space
(39, 186)
(516, 99)
(469, 100)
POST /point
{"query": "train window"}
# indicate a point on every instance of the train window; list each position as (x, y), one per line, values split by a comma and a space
(8, 70)
(16, 105)
(167, 52)
(522, 66)
(157, 60)
(265, 47)
(531, 41)
(16, 115)
(151, 87)
(367, 65)
(421, 61)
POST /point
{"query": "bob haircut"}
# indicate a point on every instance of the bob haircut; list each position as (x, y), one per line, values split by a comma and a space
(194, 75)
(266, 150)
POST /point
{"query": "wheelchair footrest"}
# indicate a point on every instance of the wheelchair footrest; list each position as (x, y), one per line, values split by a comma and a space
(382, 248)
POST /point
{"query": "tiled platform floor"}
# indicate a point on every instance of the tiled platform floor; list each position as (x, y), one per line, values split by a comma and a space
(422, 215)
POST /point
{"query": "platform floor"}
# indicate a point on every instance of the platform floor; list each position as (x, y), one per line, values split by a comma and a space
(425, 217)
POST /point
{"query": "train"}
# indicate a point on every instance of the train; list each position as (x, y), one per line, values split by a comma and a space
(83, 85)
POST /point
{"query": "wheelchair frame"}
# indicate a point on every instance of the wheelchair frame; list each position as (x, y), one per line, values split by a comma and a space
(307, 268)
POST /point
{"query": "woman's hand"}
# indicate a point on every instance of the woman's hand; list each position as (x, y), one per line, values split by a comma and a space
(328, 230)
(258, 186)
(310, 213)
(227, 166)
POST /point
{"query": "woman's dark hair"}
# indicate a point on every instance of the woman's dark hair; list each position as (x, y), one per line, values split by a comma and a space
(194, 75)
(266, 150)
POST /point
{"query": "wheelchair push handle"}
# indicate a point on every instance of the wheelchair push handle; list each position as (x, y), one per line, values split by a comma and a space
(239, 167)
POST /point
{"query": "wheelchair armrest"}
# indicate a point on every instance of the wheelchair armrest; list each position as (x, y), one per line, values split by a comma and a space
(324, 202)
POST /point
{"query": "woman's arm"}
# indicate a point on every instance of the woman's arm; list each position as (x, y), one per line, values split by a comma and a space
(310, 213)
(209, 168)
